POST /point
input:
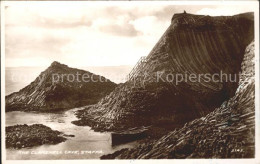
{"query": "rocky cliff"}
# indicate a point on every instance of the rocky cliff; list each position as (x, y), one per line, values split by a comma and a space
(227, 132)
(192, 45)
(60, 87)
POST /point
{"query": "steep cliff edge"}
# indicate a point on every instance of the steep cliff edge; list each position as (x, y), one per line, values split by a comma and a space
(60, 87)
(192, 45)
(227, 132)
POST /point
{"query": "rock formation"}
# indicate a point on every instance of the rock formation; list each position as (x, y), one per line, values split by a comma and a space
(227, 132)
(60, 87)
(192, 45)
(21, 136)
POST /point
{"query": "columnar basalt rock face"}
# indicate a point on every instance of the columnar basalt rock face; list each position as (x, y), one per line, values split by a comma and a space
(227, 132)
(60, 87)
(192, 45)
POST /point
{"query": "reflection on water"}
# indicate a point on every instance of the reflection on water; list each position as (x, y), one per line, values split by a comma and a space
(86, 144)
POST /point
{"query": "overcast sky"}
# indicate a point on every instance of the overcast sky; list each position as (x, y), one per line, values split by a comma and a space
(85, 34)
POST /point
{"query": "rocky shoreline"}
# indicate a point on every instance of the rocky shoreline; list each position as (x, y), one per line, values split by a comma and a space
(51, 93)
(22, 136)
(214, 119)
(192, 45)
(227, 132)
(155, 131)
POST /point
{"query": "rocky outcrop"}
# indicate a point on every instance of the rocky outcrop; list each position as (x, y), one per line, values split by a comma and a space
(60, 87)
(192, 45)
(227, 132)
(22, 136)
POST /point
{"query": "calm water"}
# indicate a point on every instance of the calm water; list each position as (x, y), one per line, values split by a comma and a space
(94, 144)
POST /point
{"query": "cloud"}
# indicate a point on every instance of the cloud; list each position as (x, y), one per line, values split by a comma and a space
(36, 19)
(31, 42)
(126, 30)
(118, 26)
(226, 10)
(88, 33)
(149, 25)
(60, 24)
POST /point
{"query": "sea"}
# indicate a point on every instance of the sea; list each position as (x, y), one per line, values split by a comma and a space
(87, 144)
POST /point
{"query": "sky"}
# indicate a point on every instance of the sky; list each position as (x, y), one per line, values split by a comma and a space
(91, 34)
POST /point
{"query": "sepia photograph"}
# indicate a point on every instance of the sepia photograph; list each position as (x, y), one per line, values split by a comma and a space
(129, 80)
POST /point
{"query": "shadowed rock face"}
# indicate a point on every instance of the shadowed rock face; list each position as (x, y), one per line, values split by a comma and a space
(55, 89)
(193, 44)
(227, 132)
